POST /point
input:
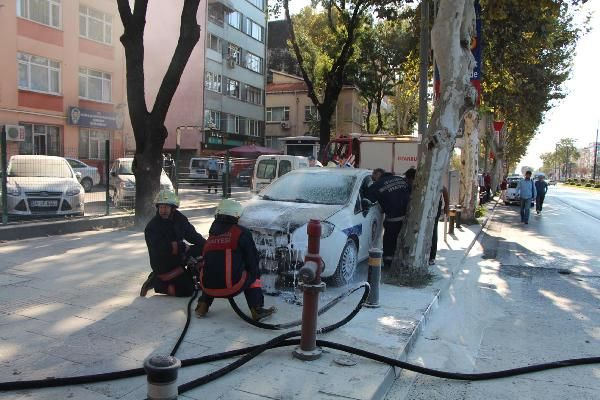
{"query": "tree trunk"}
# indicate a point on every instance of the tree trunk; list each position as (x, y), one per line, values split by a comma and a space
(379, 116)
(368, 119)
(451, 36)
(325, 126)
(469, 187)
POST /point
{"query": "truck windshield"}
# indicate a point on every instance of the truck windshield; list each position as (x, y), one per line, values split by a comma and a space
(336, 151)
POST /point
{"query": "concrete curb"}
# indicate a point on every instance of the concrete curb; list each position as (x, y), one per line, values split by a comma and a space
(392, 374)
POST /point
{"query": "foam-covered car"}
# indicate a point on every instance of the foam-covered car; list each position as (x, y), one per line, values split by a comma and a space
(279, 214)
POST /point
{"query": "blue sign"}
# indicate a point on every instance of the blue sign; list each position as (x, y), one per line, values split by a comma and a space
(95, 119)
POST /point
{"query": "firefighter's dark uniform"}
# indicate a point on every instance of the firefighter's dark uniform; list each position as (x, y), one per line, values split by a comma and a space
(230, 264)
(164, 238)
(393, 194)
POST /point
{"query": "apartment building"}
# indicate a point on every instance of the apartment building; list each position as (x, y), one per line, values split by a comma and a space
(290, 112)
(63, 77)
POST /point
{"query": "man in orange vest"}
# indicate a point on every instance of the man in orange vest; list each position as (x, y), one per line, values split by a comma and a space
(231, 263)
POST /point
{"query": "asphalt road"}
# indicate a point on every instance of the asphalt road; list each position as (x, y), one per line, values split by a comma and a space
(528, 294)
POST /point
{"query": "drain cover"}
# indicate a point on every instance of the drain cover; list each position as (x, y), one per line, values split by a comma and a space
(345, 361)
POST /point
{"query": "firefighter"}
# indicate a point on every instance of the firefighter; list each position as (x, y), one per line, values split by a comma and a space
(230, 264)
(393, 194)
(169, 253)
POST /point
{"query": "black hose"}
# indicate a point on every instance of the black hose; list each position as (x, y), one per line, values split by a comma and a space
(187, 324)
(298, 322)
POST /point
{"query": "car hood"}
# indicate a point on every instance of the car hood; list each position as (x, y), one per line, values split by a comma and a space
(42, 184)
(283, 216)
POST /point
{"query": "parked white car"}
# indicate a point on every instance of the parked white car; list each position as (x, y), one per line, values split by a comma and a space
(40, 185)
(122, 182)
(279, 214)
(89, 175)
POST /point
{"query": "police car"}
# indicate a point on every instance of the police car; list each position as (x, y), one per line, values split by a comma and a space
(279, 214)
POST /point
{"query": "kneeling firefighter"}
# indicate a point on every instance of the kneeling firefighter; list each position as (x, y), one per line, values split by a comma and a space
(165, 235)
(230, 263)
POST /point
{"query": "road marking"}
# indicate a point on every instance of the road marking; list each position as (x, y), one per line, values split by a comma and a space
(577, 209)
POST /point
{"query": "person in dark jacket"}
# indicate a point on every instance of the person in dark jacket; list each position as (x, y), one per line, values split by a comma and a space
(231, 264)
(166, 235)
(393, 194)
(541, 188)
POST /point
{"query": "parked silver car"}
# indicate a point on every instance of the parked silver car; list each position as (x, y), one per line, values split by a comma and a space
(44, 186)
(89, 175)
(122, 182)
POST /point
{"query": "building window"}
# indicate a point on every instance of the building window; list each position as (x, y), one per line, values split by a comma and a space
(212, 119)
(38, 73)
(252, 127)
(45, 12)
(95, 85)
(214, 42)
(311, 113)
(254, 62)
(233, 88)
(216, 13)
(40, 139)
(234, 52)
(95, 25)
(278, 114)
(234, 18)
(255, 30)
(234, 123)
(253, 95)
(257, 3)
(213, 82)
(92, 143)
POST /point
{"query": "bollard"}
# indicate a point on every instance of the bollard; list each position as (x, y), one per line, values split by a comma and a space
(162, 376)
(458, 215)
(374, 277)
(311, 287)
(452, 215)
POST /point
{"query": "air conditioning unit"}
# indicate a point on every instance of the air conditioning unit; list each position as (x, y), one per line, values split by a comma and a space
(15, 133)
(230, 62)
(285, 125)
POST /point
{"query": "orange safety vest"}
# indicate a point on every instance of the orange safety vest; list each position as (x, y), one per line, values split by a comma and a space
(222, 278)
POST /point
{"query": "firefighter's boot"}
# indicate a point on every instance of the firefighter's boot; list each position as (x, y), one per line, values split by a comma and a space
(201, 309)
(260, 313)
(147, 285)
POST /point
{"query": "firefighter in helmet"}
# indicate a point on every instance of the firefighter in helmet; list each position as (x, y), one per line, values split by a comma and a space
(230, 263)
(171, 240)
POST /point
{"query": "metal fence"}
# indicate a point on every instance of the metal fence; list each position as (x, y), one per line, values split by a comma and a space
(38, 187)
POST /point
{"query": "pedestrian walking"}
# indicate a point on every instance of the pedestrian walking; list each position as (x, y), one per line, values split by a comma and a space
(213, 173)
(527, 193)
(487, 180)
(231, 263)
(444, 200)
(393, 194)
(167, 236)
(503, 188)
(541, 187)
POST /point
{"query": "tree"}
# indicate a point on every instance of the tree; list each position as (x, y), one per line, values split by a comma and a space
(148, 126)
(406, 96)
(566, 153)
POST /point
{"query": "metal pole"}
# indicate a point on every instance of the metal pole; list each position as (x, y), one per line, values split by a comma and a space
(175, 169)
(595, 155)
(423, 67)
(227, 191)
(374, 277)
(106, 174)
(162, 371)
(4, 177)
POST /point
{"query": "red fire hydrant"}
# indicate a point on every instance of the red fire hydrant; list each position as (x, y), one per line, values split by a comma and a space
(311, 285)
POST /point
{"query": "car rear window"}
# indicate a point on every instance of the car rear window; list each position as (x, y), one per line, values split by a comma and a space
(513, 185)
(40, 167)
(200, 164)
(266, 169)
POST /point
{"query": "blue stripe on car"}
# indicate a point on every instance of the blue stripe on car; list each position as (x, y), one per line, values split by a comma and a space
(353, 230)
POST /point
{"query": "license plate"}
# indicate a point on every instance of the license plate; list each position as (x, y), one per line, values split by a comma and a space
(44, 203)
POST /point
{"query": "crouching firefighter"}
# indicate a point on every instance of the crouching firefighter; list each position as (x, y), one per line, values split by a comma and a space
(165, 235)
(230, 264)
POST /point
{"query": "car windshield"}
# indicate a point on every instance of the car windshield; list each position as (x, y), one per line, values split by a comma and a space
(42, 167)
(311, 188)
(125, 168)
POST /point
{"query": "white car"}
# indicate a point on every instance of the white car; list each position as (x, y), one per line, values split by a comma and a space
(279, 214)
(40, 185)
(89, 175)
(122, 182)
(512, 192)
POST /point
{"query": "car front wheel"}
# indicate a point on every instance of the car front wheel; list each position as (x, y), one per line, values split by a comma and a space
(87, 184)
(346, 266)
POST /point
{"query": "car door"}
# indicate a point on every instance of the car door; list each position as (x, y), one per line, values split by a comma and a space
(113, 176)
(370, 218)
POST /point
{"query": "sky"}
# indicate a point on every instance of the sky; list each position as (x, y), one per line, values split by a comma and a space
(577, 116)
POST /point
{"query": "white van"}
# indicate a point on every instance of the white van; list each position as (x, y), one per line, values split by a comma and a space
(270, 167)
(199, 167)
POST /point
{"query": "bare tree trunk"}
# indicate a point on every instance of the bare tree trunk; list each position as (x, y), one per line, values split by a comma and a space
(368, 119)
(469, 187)
(451, 36)
(379, 116)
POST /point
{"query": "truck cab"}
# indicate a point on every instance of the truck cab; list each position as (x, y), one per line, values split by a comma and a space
(394, 153)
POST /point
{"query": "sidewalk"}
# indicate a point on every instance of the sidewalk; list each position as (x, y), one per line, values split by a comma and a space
(69, 305)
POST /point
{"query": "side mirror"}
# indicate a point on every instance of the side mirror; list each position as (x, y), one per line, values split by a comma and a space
(113, 173)
(366, 204)
(78, 176)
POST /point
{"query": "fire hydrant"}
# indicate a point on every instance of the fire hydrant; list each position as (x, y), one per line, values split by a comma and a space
(311, 285)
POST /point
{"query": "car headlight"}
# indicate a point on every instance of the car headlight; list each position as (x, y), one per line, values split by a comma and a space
(73, 191)
(326, 229)
(128, 185)
(13, 190)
